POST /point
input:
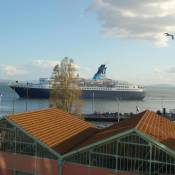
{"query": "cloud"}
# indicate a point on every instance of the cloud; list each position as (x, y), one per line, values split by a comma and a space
(160, 75)
(10, 70)
(157, 70)
(45, 63)
(30, 71)
(85, 72)
(136, 19)
(171, 70)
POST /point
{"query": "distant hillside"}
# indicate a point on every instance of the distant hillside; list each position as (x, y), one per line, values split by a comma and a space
(160, 86)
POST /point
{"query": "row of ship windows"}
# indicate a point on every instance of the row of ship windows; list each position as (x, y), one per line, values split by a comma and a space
(122, 87)
(97, 88)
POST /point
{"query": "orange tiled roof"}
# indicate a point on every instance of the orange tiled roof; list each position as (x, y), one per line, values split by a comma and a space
(117, 128)
(54, 128)
(158, 127)
(149, 123)
(64, 132)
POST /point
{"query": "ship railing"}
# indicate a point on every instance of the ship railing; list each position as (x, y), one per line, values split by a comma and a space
(34, 85)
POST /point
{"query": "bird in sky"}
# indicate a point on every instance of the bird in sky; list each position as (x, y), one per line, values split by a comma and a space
(171, 35)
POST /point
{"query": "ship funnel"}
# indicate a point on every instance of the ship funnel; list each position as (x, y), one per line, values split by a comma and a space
(101, 73)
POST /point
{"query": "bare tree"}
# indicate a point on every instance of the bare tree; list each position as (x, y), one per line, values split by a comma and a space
(66, 92)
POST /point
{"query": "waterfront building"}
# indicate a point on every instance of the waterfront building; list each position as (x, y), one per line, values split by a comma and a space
(52, 142)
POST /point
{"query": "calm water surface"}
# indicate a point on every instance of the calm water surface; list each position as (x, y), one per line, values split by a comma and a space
(155, 99)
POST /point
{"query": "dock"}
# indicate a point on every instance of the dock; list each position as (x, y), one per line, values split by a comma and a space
(107, 117)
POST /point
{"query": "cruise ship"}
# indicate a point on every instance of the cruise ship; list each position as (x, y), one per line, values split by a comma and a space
(99, 87)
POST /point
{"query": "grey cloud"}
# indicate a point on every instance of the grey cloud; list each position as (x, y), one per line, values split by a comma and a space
(171, 70)
(136, 19)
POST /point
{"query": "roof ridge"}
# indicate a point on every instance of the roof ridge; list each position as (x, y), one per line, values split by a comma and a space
(142, 118)
(33, 111)
(110, 130)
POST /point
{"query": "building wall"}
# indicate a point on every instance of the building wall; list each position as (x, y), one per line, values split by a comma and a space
(6, 172)
(76, 169)
(25, 163)
(10, 162)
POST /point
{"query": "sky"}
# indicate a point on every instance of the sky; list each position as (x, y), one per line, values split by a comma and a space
(127, 36)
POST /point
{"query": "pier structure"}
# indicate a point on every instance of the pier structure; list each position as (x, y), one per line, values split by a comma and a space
(52, 142)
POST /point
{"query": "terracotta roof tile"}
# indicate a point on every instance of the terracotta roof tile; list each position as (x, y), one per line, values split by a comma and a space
(158, 127)
(64, 132)
(54, 127)
(112, 130)
(149, 123)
